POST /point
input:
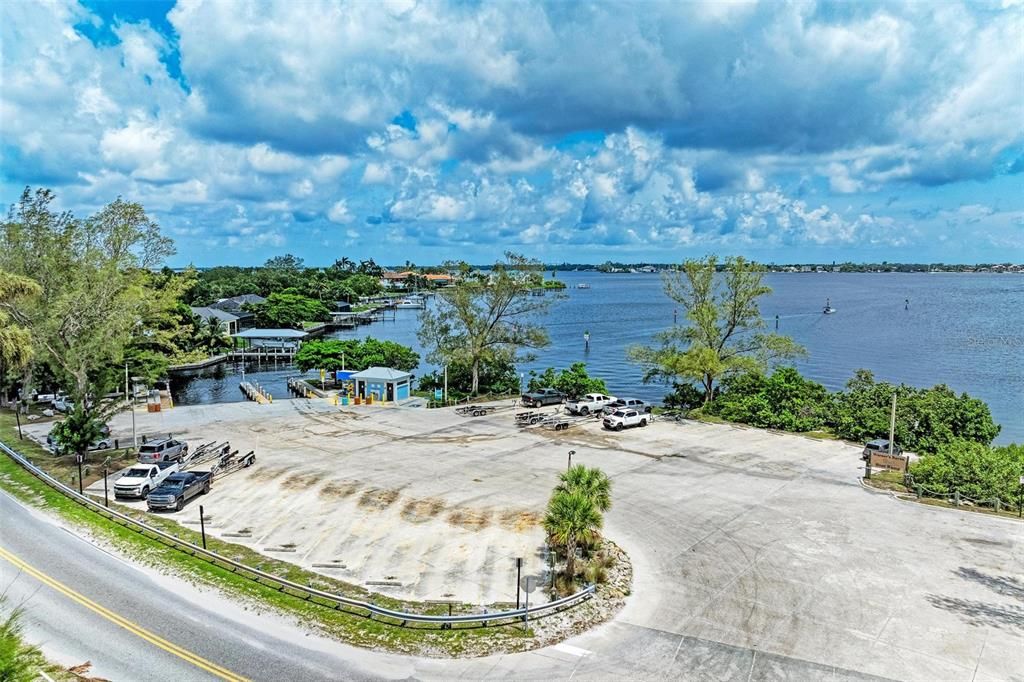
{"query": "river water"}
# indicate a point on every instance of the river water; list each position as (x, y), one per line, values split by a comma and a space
(963, 330)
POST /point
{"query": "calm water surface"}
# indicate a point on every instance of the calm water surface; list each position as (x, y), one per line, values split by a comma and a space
(961, 330)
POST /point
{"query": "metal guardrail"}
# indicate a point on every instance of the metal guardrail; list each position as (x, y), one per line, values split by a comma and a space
(309, 592)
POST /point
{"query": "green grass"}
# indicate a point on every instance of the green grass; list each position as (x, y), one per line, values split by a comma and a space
(351, 625)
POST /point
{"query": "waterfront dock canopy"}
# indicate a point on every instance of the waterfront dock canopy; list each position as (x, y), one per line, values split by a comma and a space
(271, 338)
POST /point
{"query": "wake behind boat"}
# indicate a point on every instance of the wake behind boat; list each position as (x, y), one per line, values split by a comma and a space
(828, 308)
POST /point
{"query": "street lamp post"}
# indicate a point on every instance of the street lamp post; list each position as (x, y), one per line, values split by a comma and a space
(571, 453)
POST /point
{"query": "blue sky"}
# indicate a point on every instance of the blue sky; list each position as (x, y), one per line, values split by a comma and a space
(424, 131)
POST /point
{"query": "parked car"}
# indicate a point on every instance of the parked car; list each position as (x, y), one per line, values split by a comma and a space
(62, 404)
(879, 445)
(591, 402)
(102, 443)
(624, 403)
(166, 450)
(620, 419)
(179, 488)
(139, 479)
(545, 396)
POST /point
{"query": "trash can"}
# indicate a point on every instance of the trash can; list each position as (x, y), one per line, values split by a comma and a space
(358, 400)
(344, 400)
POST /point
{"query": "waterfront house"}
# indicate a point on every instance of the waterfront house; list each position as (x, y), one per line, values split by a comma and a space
(439, 280)
(228, 322)
(394, 280)
(236, 306)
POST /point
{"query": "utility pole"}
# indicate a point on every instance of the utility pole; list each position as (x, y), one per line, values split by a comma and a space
(78, 459)
(17, 418)
(446, 384)
(892, 423)
(106, 500)
(131, 406)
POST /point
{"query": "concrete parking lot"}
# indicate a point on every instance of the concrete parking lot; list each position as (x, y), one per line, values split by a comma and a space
(757, 549)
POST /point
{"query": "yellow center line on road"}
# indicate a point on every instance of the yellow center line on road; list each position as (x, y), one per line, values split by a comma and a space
(131, 627)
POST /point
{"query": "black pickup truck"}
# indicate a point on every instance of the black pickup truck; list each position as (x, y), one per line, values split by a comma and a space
(179, 488)
(545, 396)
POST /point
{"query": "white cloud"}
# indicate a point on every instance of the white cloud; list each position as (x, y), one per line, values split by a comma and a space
(339, 213)
(267, 160)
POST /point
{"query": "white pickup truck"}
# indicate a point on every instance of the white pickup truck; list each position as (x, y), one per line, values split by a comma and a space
(591, 403)
(620, 419)
(142, 478)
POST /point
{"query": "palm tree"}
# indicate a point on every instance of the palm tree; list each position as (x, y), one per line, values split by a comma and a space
(591, 483)
(15, 340)
(571, 518)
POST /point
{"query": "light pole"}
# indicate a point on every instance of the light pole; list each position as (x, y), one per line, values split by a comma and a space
(571, 453)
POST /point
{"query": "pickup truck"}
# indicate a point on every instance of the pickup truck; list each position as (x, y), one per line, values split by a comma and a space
(179, 488)
(545, 396)
(141, 478)
(621, 418)
(590, 403)
(627, 403)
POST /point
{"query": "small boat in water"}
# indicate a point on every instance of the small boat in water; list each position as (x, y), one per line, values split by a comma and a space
(582, 285)
(414, 301)
(828, 307)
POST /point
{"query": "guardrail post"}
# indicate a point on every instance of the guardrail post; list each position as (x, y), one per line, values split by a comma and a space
(997, 505)
(956, 497)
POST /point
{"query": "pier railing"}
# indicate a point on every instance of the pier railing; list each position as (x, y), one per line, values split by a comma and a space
(320, 597)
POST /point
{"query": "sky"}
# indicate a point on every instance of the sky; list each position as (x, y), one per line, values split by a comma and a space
(570, 132)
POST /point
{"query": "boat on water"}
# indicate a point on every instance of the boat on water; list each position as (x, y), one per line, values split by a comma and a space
(414, 301)
(828, 307)
(583, 285)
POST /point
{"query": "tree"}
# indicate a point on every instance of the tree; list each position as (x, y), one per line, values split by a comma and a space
(15, 340)
(344, 264)
(355, 354)
(368, 267)
(285, 262)
(572, 518)
(573, 382)
(592, 483)
(497, 376)
(76, 433)
(978, 471)
(363, 284)
(926, 419)
(96, 283)
(723, 336)
(486, 317)
(289, 311)
(785, 400)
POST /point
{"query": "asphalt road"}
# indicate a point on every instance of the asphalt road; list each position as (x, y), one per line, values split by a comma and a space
(84, 604)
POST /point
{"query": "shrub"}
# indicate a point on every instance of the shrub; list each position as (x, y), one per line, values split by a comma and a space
(573, 381)
(975, 469)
